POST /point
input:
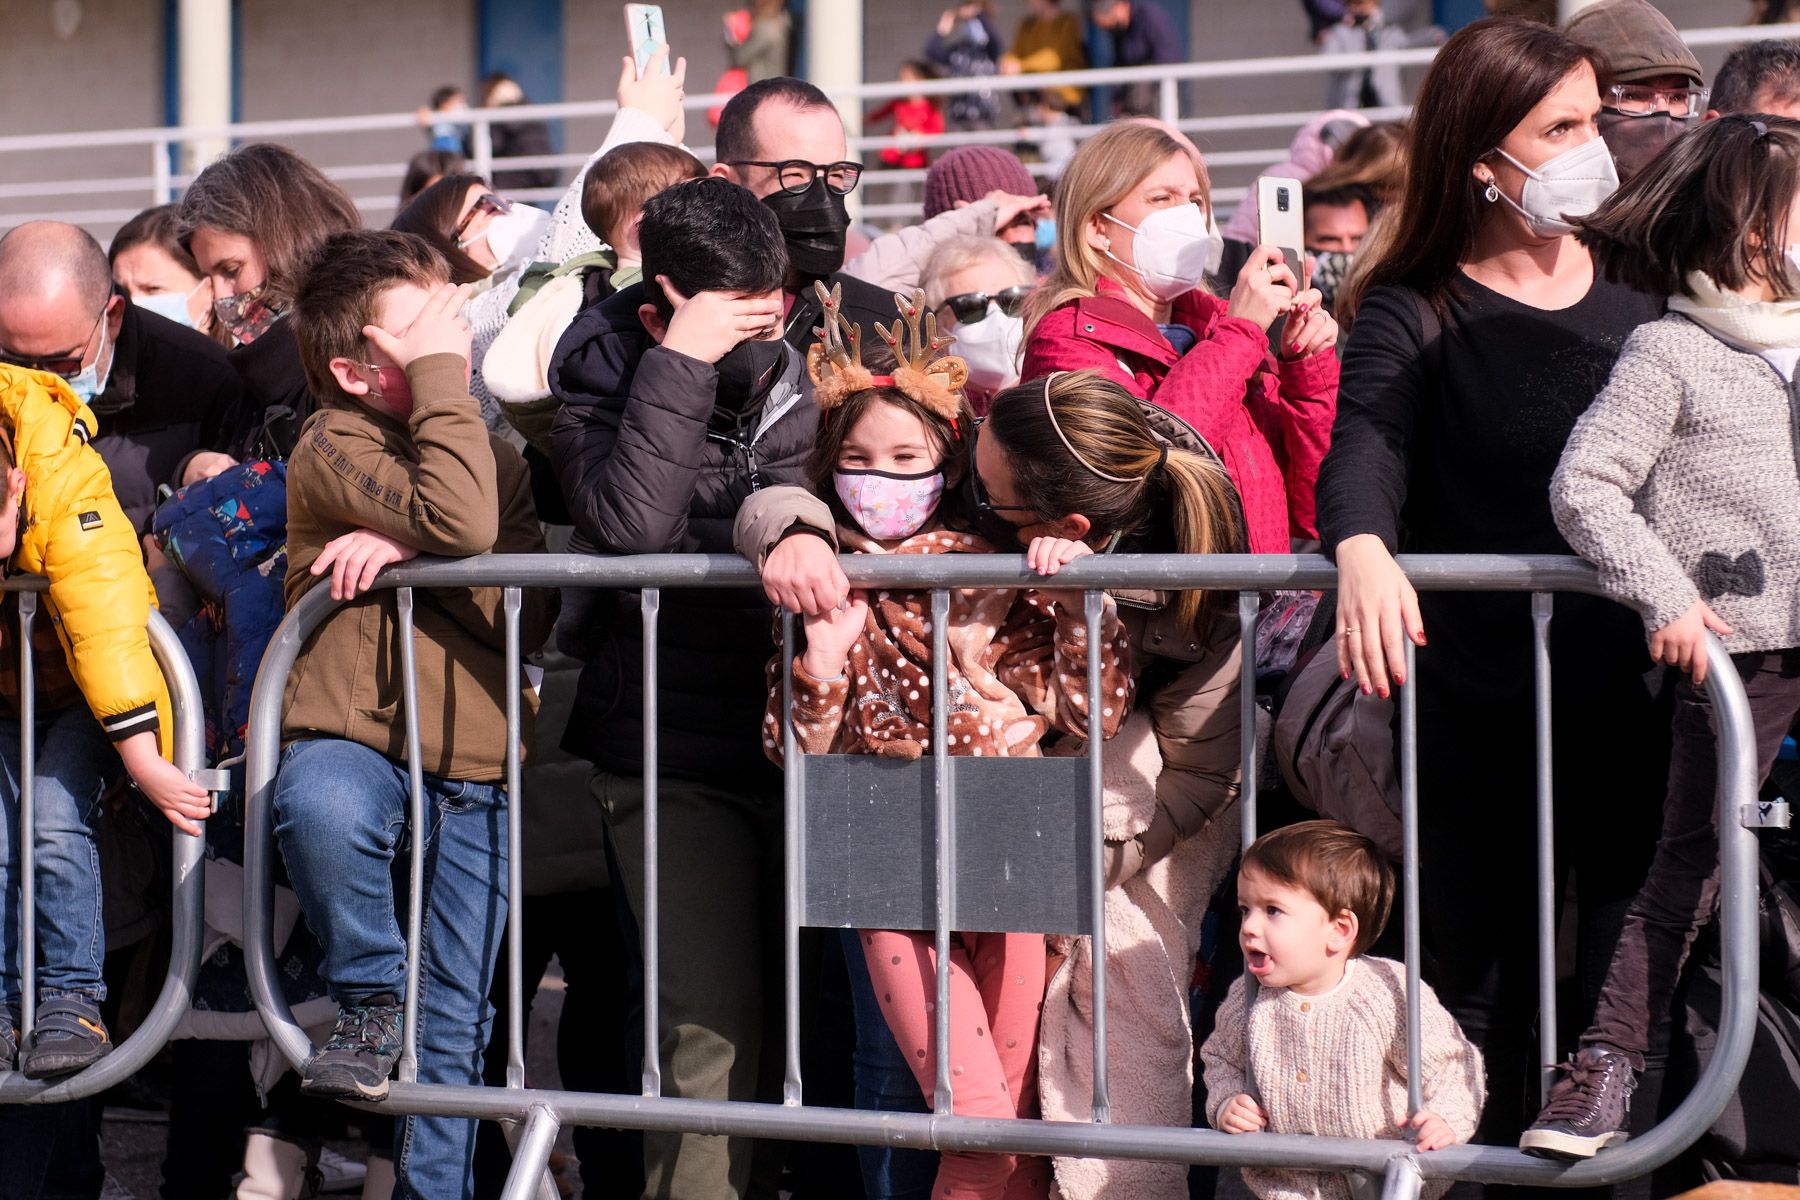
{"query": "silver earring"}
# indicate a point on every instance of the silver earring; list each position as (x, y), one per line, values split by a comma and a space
(1492, 194)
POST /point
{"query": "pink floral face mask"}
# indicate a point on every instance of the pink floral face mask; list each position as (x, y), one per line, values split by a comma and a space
(889, 506)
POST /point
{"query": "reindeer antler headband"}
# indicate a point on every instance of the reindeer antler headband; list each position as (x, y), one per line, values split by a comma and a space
(931, 380)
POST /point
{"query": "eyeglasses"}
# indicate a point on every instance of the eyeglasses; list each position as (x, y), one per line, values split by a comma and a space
(66, 364)
(796, 174)
(978, 491)
(487, 202)
(970, 307)
(1642, 100)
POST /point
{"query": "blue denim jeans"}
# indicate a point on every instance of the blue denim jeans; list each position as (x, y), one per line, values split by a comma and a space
(884, 1083)
(340, 821)
(75, 765)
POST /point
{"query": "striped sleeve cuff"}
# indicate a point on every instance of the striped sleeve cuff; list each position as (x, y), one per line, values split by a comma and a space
(141, 719)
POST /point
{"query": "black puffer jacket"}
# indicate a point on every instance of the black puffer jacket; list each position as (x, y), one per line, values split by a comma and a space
(650, 463)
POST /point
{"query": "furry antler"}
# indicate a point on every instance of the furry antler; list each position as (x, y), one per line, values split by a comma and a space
(835, 361)
(920, 348)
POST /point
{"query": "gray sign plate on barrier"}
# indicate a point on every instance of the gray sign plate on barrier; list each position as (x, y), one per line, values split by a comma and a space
(1023, 843)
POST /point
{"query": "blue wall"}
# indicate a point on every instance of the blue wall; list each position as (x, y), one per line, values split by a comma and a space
(1454, 14)
(523, 38)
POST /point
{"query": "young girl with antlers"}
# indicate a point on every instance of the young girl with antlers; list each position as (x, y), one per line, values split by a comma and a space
(890, 451)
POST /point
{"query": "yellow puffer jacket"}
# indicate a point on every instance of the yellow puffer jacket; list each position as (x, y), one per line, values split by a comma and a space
(73, 532)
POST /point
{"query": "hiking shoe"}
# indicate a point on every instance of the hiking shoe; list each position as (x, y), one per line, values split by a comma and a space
(356, 1062)
(1587, 1107)
(68, 1036)
(9, 1039)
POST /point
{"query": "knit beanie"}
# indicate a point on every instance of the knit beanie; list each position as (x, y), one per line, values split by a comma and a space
(971, 172)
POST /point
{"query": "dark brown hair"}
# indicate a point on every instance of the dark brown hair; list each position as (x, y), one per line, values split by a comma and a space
(426, 168)
(1338, 866)
(278, 200)
(624, 177)
(1716, 200)
(1484, 81)
(153, 227)
(341, 290)
(434, 214)
(835, 424)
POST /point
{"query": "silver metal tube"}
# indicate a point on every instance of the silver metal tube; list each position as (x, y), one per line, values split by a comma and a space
(415, 819)
(1409, 873)
(511, 599)
(1402, 1181)
(1249, 604)
(27, 818)
(1543, 605)
(532, 1155)
(650, 609)
(944, 886)
(793, 854)
(1096, 706)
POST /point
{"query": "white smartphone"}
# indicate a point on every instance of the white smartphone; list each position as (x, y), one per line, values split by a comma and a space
(644, 25)
(1280, 209)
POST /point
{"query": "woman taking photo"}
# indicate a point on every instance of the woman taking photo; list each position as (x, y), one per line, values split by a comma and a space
(1134, 239)
(1485, 335)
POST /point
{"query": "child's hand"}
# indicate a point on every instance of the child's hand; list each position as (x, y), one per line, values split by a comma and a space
(1434, 1133)
(1682, 642)
(802, 575)
(707, 325)
(164, 784)
(1242, 1114)
(829, 637)
(1309, 327)
(438, 329)
(356, 558)
(205, 465)
(1047, 556)
(657, 92)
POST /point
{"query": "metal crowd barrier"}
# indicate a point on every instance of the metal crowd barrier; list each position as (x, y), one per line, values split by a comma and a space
(945, 877)
(188, 904)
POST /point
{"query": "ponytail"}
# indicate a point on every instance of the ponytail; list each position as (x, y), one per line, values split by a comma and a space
(1203, 505)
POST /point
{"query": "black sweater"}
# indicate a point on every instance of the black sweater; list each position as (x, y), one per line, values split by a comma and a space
(1446, 445)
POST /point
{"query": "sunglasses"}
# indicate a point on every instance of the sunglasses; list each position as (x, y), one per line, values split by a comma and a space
(970, 307)
(66, 364)
(487, 202)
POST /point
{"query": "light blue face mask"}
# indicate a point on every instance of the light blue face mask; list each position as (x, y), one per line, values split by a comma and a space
(87, 383)
(169, 305)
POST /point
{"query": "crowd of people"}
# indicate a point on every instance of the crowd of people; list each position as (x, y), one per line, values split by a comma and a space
(1553, 313)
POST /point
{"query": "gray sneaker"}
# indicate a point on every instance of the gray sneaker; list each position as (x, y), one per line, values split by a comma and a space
(356, 1062)
(1587, 1107)
(9, 1039)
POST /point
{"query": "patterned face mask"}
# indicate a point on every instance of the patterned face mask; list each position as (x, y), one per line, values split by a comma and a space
(888, 506)
(244, 315)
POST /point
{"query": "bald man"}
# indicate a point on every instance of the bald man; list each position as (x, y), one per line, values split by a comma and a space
(158, 389)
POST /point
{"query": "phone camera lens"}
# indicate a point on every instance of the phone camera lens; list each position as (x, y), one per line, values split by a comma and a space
(1281, 199)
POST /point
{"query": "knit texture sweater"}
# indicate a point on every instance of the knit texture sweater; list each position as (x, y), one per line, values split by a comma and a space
(1681, 483)
(1334, 1065)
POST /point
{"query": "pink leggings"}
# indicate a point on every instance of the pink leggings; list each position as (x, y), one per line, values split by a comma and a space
(996, 1000)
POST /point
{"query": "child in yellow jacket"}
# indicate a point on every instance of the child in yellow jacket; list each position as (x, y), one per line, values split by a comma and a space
(60, 519)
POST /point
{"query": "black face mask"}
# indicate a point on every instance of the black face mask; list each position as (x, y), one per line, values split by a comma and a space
(1634, 141)
(989, 525)
(747, 372)
(813, 224)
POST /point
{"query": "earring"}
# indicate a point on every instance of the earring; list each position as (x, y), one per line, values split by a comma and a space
(1492, 193)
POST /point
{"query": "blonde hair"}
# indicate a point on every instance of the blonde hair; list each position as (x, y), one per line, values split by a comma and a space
(1101, 174)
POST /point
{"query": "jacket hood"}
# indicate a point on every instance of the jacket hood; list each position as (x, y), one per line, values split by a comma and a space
(1633, 42)
(42, 413)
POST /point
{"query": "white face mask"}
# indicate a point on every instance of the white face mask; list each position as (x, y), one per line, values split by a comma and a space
(170, 305)
(991, 348)
(1175, 248)
(1573, 184)
(513, 237)
(1793, 266)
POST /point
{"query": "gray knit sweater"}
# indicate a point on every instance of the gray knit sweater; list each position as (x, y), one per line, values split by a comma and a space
(1681, 483)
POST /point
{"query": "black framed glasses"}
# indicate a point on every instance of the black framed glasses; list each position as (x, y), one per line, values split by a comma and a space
(66, 364)
(487, 202)
(984, 504)
(970, 307)
(796, 174)
(1643, 100)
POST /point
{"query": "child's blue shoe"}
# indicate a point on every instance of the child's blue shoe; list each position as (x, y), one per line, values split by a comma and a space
(68, 1036)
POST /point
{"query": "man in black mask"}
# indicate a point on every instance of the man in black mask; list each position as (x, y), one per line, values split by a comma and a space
(679, 398)
(1651, 88)
(782, 139)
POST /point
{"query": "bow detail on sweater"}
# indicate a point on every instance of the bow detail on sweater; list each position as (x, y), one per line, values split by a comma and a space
(1720, 574)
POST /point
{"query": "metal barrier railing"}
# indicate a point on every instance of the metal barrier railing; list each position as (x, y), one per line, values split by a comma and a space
(161, 183)
(188, 903)
(543, 1112)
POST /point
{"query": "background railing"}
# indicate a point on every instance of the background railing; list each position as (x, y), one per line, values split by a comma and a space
(542, 1112)
(882, 197)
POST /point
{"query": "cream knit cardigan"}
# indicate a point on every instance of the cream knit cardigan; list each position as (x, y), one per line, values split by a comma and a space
(1335, 1065)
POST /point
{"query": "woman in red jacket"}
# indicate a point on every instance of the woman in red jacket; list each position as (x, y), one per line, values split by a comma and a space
(1135, 236)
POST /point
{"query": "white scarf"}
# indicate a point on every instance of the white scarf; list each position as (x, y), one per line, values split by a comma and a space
(1754, 325)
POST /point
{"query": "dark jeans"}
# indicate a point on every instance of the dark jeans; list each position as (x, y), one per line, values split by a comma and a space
(884, 1083)
(1682, 888)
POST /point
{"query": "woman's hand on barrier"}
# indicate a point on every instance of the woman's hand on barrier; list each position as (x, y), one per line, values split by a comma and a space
(802, 575)
(356, 558)
(164, 784)
(1432, 1132)
(1242, 1114)
(1377, 610)
(658, 92)
(1264, 290)
(1682, 642)
(830, 636)
(1047, 556)
(1309, 329)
